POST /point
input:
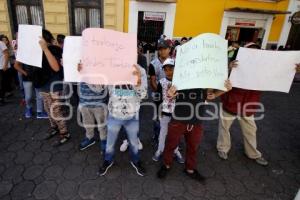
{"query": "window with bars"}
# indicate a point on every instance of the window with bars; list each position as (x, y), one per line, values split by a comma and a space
(26, 12)
(86, 13)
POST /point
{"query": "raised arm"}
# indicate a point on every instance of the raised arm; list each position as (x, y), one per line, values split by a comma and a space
(50, 57)
(213, 94)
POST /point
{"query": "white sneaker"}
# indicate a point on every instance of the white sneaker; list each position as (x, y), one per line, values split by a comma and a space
(261, 161)
(179, 157)
(223, 155)
(140, 145)
(124, 146)
(156, 156)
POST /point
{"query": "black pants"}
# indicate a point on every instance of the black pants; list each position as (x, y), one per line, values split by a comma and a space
(2, 89)
(9, 82)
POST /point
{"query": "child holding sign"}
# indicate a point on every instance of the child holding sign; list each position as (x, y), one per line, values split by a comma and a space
(167, 107)
(123, 107)
(93, 108)
(186, 120)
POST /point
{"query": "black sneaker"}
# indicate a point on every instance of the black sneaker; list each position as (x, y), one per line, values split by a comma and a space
(51, 133)
(2, 103)
(196, 176)
(105, 167)
(162, 172)
(61, 140)
(140, 170)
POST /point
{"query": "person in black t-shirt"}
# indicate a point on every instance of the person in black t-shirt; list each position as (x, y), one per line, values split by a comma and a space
(52, 86)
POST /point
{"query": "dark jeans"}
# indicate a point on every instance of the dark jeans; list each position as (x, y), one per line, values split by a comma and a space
(9, 82)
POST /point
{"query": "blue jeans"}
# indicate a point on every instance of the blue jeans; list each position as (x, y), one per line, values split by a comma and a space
(131, 127)
(28, 88)
(21, 84)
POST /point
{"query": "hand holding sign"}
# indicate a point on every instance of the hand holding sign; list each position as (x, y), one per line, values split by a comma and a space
(298, 68)
(137, 73)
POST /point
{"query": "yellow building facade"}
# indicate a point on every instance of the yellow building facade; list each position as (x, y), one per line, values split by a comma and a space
(192, 17)
(57, 16)
(264, 19)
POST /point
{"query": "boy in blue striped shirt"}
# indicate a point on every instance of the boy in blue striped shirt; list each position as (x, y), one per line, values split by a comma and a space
(93, 108)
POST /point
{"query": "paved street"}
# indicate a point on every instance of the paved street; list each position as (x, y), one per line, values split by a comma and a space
(31, 169)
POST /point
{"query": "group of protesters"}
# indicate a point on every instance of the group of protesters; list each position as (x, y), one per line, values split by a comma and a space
(111, 108)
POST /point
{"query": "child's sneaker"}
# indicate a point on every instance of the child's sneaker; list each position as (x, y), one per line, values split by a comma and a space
(51, 133)
(140, 145)
(179, 157)
(124, 146)
(223, 155)
(196, 176)
(86, 143)
(162, 172)
(140, 170)
(28, 113)
(261, 161)
(42, 115)
(156, 156)
(62, 140)
(105, 167)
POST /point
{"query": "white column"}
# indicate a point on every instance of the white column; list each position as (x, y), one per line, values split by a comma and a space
(224, 25)
(267, 33)
(293, 7)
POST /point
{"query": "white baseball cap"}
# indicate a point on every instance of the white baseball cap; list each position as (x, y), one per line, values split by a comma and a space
(169, 61)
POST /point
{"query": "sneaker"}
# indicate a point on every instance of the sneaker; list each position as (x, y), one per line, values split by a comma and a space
(61, 140)
(196, 176)
(179, 157)
(86, 143)
(51, 133)
(140, 170)
(28, 113)
(162, 172)
(42, 115)
(222, 155)
(106, 165)
(124, 146)
(140, 145)
(261, 161)
(156, 156)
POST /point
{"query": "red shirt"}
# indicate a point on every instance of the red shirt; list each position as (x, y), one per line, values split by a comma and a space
(241, 102)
